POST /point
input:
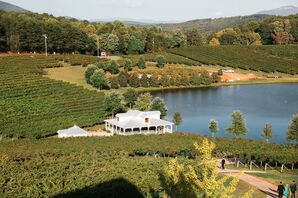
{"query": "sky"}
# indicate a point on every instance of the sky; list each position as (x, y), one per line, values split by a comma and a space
(158, 10)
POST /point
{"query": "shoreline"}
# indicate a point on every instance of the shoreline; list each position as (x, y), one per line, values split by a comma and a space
(264, 82)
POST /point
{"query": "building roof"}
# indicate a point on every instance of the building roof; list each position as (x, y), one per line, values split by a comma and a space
(136, 119)
(72, 132)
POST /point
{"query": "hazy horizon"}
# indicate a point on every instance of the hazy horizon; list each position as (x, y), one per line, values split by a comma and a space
(166, 10)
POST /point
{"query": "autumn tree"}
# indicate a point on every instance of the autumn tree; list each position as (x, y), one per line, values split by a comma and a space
(238, 126)
(267, 132)
(293, 129)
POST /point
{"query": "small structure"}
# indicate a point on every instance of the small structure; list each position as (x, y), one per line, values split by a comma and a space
(137, 122)
(103, 55)
(74, 131)
(229, 71)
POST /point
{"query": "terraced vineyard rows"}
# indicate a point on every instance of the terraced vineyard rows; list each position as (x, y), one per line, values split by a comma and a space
(286, 51)
(35, 106)
(238, 57)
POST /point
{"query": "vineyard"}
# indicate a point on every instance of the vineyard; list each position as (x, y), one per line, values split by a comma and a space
(51, 167)
(240, 57)
(171, 58)
(77, 59)
(286, 51)
(35, 106)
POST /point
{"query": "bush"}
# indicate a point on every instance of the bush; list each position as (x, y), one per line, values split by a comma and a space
(113, 67)
(99, 80)
(127, 64)
(114, 83)
(89, 72)
(160, 60)
(142, 63)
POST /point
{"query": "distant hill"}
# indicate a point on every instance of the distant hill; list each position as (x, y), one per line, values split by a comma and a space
(10, 7)
(207, 26)
(282, 11)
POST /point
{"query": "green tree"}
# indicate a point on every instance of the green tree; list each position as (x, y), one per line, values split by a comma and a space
(123, 78)
(293, 129)
(141, 63)
(205, 78)
(110, 42)
(238, 126)
(89, 72)
(98, 80)
(113, 104)
(160, 60)
(158, 104)
(213, 126)
(194, 38)
(130, 97)
(134, 80)
(114, 83)
(267, 132)
(113, 67)
(177, 119)
(144, 102)
(133, 45)
(127, 64)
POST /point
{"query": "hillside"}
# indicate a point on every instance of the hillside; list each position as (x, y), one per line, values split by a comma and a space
(10, 7)
(208, 26)
(282, 11)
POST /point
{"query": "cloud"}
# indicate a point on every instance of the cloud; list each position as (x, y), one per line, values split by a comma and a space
(124, 3)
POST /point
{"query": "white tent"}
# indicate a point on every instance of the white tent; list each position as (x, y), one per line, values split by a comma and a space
(74, 131)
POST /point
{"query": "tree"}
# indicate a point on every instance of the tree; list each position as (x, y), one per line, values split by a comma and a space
(130, 97)
(123, 78)
(127, 64)
(158, 104)
(110, 42)
(215, 77)
(144, 102)
(113, 67)
(89, 72)
(214, 42)
(213, 127)
(113, 104)
(267, 132)
(293, 129)
(179, 180)
(114, 83)
(238, 126)
(177, 119)
(99, 80)
(141, 63)
(160, 60)
(133, 45)
(205, 78)
(220, 72)
(194, 38)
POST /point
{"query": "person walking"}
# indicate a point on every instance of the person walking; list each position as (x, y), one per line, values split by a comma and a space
(280, 190)
(287, 191)
(223, 162)
(293, 189)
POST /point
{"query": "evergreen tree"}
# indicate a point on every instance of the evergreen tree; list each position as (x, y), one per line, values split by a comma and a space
(113, 67)
(114, 83)
(127, 64)
(293, 129)
(142, 63)
(177, 119)
(134, 80)
(238, 126)
(123, 78)
(144, 81)
(158, 104)
(213, 127)
(161, 61)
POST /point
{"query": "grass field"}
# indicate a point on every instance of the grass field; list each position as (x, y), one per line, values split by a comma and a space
(53, 167)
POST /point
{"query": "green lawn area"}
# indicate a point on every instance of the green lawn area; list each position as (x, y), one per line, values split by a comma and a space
(275, 176)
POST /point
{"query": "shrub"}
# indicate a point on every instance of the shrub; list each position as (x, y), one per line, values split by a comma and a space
(99, 80)
(113, 67)
(89, 72)
(160, 60)
(142, 63)
(127, 64)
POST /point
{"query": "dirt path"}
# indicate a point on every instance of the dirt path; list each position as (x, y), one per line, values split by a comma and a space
(264, 186)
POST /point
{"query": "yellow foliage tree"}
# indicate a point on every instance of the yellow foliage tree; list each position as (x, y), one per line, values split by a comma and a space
(206, 183)
(214, 42)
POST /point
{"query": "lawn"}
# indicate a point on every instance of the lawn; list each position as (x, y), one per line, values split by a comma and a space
(274, 176)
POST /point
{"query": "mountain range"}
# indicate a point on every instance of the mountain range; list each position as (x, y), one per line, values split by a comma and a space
(10, 7)
(282, 11)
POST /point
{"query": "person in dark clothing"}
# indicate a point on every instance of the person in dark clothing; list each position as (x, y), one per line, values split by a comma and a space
(293, 189)
(280, 190)
(223, 162)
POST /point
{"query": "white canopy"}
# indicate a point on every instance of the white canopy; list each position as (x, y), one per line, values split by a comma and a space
(74, 131)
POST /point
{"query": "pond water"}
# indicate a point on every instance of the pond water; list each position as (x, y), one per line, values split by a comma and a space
(260, 104)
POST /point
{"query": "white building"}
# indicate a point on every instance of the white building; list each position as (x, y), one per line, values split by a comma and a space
(74, 131)
(137, 122)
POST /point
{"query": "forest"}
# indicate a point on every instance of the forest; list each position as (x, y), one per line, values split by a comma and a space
(23, 32)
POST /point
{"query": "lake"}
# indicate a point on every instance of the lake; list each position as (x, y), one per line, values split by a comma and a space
(260, 104)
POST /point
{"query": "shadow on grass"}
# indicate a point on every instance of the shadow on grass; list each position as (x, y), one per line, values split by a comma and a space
(116, 188)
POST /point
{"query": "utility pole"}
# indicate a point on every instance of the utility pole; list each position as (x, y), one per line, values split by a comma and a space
(46, 44)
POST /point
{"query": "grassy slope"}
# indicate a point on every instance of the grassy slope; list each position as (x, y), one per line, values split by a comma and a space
(48, 167)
